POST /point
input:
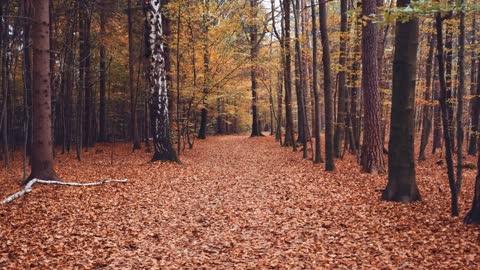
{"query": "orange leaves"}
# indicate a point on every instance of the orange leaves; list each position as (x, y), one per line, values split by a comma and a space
(235, 203)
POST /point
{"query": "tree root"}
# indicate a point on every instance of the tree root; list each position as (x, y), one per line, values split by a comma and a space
(28, 187)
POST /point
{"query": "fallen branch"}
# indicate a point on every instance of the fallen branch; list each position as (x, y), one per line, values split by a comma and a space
(28, 187)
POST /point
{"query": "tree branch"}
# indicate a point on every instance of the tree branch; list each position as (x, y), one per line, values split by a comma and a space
(28, 187)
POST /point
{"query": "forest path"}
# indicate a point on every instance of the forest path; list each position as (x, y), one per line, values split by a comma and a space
(236, 202)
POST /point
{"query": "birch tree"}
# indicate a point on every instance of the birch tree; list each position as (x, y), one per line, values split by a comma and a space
(160, 122)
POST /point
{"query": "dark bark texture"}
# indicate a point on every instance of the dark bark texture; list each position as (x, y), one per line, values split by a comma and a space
(402, 185)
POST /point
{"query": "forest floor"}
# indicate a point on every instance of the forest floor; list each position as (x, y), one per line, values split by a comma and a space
(236, 203)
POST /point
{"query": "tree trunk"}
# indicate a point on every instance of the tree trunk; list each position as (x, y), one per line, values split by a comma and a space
(475, 92)
(289, 136)
(445, 116)
(4, 36)
(300, 82)
(371, 158)
(87, 84)
(473, 216)
(256, 131)
(278, 131)
(131, 62)
(342, 86)
(27, 76)
(327, 89)
(202, 133)
(437, 120)
(102, 116)
(402, 185)
(449, 79)
(159, 114)
(460, 92)
(427, 108)
(42, 155)
(316, 95)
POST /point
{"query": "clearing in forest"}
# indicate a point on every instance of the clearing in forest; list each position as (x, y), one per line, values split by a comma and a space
(235, 202)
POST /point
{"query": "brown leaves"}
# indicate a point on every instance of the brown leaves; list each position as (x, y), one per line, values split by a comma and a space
(236, 203)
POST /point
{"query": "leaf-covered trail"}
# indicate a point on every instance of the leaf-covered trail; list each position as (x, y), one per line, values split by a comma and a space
(236, 202)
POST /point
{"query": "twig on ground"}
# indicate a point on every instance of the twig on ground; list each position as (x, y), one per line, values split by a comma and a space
(28, 187)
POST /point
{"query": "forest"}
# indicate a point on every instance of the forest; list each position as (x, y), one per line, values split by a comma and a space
(239, 134)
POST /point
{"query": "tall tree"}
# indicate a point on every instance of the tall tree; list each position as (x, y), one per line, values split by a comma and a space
(42, 155)
(102, 77)
(342, 85)
(202, 133)
(159, 114)
(289, 136)
(300, 79)
(327, 88)
(427, 108)
(255, 39)
(316, 95)
(5, 62)
(473, 215)
(446, 115)
(300, 82)
(402, 185)
(131, 63)
(460, 92)
(475, 112)
(475, 92)
(371, 157)
(437, 119)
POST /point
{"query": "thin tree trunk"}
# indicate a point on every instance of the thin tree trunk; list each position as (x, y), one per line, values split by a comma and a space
(102, 69)
(445, 116)
(4, 35)
(437, 120)
(327, 88)
(427, 107)
(342, 86)
(316, 95)
(202, 133)
(300, 83)
(256, 131)
(131, 63)
(460, 92)
(88, 101)
(289, 136)
(475, 92)
(179, 24)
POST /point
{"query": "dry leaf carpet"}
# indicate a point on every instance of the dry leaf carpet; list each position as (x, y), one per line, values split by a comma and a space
(235, 203)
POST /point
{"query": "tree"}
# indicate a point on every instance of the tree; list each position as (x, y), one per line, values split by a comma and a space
(460, 91)
(159, 114)
(402, 186)
(475, 111)
(342, 86)
(102, 78)
(202, 133)
(131, 60)
(316, 116)
(42, 155)
(300, 80)
(475, 92)
(427, 108)
(289, 136)
(446, 115)
(473, 215)
(327, 89)
(255, 40)
(371, 158)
